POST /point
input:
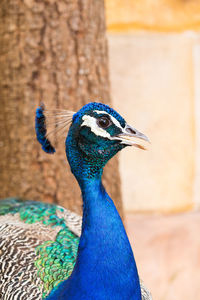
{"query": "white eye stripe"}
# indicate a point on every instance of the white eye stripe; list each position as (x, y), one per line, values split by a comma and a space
(116, 122)
(92, 124)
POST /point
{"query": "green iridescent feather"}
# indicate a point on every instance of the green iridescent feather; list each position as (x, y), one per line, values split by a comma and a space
(55, 259)
(31, 211)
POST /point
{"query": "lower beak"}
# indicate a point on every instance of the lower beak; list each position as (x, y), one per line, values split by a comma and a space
(129, 135)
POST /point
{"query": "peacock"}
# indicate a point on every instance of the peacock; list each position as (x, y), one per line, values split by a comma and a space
(48, 252)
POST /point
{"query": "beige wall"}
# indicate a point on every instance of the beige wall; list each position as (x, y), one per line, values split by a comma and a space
(155, 79)
(152, 77)
(196, 60)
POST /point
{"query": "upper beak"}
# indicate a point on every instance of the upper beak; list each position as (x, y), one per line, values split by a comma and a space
(128, 136)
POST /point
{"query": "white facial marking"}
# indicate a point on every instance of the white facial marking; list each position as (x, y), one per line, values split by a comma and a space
(91, 122)
(111, 117)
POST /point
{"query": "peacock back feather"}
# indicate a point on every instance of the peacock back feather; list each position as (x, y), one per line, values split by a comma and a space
(38, 247)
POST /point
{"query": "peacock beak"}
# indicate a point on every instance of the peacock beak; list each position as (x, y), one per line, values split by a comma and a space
(128, 136)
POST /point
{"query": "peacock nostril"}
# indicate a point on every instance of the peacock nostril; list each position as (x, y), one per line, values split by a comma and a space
(130, 130)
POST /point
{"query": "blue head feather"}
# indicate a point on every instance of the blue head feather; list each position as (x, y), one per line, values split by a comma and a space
(40, 128)
(92, 106)
(87, 152)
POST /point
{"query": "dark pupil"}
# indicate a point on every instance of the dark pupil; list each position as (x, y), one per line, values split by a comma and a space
(103, 122)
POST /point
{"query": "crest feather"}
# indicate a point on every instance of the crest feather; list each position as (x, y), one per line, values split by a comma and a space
(50, 123)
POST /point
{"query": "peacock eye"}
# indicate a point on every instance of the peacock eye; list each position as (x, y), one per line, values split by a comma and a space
(104, 122)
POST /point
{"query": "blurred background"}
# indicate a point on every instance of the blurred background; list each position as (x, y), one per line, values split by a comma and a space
(143, 58)
(154, 56)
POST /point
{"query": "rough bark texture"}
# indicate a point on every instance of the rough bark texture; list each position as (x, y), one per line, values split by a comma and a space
(53, 52)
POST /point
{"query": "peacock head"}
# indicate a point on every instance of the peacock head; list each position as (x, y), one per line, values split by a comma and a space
(97, 132)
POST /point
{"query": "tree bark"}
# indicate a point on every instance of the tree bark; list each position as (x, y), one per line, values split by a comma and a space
(53, 52)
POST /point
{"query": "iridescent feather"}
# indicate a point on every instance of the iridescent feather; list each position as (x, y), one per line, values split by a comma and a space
(38, 248)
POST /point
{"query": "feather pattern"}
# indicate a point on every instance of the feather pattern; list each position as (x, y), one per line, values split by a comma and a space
(27, 244)
(35, 238)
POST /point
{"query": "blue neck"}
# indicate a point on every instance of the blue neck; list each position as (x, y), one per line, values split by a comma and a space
(105, 267)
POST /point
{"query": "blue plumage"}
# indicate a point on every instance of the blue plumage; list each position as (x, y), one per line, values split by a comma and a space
(88, 152)
(40, 128)
(105, 267)
(91, 109)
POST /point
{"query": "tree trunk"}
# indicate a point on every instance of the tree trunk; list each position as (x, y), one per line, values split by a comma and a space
(53, 52)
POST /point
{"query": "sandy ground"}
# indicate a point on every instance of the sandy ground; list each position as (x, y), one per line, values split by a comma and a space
(167, 251)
